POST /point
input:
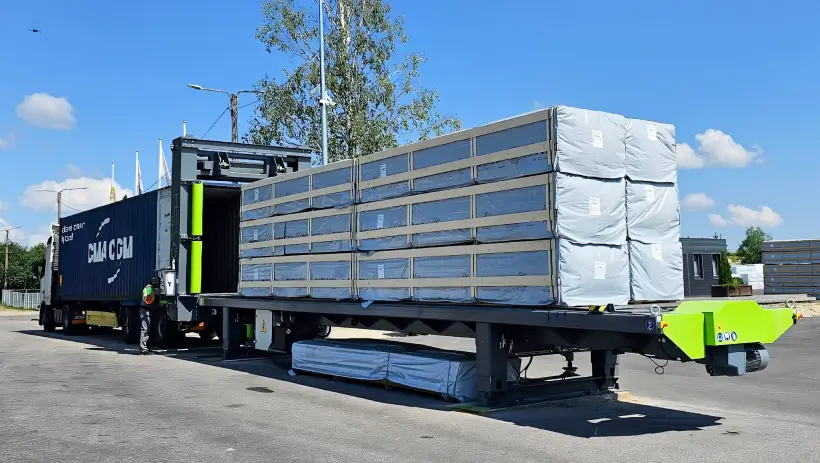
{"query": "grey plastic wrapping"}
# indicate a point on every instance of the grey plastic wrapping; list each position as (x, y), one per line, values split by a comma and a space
(442, 154)
(332, 178)
(255, 292)
(521, 263)
(323, 247)
(292, 187)
(382, 168)
(257, 272)
(341, 198)
(442, 267)
(257, 252)
(453, 375)
(533, 164)
(290, 271)
(590, 211)
(291, 207)
(260, 213)
(657, 271)
(291, 229)
(592, 274)
(257, 195)
(515, 137)
(652, 212)
(445, 210)
(330, 224)
(380, 219)
(256, 233)
(590, 143)
(335, 271)
(651, 152)
(528, 199)
(290, 291)
(384, 269)
(390, 191)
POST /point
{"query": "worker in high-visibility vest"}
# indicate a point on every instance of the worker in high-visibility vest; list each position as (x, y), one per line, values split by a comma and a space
(150, 299)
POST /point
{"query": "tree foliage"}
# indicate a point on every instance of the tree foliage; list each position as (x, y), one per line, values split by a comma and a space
(22, 260)
(724, 269)
(378, 100)
(750, 250)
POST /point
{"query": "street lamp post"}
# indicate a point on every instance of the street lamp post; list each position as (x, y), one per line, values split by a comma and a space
(6, 266)
(234, 106)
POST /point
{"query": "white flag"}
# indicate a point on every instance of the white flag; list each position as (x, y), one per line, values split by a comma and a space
(163, 167)
(138, 176)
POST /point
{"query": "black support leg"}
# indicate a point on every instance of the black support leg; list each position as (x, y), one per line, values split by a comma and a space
(491, 363)
(605, 368)
(231, 333)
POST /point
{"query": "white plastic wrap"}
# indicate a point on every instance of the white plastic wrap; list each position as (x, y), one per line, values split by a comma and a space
(505, 264)
(652, 212)
(590, 211)
(593, 274)
(513, 201)
(448, 373)
(383, 168)
(657, 271)
(590, 143)
(651, 152)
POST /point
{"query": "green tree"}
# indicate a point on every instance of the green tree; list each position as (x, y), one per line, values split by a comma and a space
(750, 250)
(725, 269)
(21, 273)
(378, 100)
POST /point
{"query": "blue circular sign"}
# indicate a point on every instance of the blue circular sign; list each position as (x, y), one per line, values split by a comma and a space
(720, 337)
(734, 336)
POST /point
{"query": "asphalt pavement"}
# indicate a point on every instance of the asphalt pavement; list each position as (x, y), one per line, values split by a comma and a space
(89, 398)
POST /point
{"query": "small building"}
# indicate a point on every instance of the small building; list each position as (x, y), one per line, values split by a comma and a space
(701, 261)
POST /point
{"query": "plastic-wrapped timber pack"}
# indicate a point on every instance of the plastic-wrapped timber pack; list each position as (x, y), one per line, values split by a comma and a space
(526, 211)
(296, 234)
(653, 212)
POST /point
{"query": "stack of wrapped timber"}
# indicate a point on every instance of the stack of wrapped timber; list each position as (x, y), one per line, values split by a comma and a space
(653, 212)
(791, 267)
(530, 210)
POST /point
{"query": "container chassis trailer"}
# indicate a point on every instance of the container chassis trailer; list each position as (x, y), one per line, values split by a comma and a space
(727, 337)
(97, 262)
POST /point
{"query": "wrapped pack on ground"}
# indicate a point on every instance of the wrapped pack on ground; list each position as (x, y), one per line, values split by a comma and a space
(656, 271)
(450, 374)
(652, 212)
(589, 143)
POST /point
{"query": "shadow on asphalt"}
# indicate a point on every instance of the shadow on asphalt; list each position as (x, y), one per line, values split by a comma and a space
(588, 418)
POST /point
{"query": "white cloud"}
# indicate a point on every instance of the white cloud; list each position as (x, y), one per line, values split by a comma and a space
(764, 217)
(3, 207)
(71, 171)
(95, 194)
(717, 220)
(697, 202)
(716, 149)
(44, 110)
(3, 144)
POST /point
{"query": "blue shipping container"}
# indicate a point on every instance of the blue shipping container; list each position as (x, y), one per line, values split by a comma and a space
(109, 253)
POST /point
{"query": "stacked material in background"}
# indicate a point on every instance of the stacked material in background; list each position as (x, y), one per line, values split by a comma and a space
(448, 373)
(751, 274)
(653, 212)
(530, 210)
(792, 267)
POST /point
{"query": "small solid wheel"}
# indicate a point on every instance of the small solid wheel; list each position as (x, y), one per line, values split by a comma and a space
(130, 325)
(47, 319)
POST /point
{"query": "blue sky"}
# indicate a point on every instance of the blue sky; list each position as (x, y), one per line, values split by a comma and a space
(738, 79)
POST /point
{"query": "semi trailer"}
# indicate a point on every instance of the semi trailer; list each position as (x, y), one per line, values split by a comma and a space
(186, 234)
(727, 337)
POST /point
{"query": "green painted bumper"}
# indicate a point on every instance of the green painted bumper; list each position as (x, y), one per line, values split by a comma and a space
(696, 325)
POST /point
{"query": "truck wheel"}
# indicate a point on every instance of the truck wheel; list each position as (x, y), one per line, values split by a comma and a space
(130, 325)
(165, 331)
(69, 329)
(47, 319)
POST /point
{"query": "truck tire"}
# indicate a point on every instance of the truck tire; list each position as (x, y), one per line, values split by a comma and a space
(130, 325)
(69, 329)
(47, 319)
(165, 331)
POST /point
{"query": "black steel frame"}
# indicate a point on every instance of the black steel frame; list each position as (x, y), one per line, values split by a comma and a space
(499, 332)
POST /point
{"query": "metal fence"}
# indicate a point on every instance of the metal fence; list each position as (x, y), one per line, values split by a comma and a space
(22, 299)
